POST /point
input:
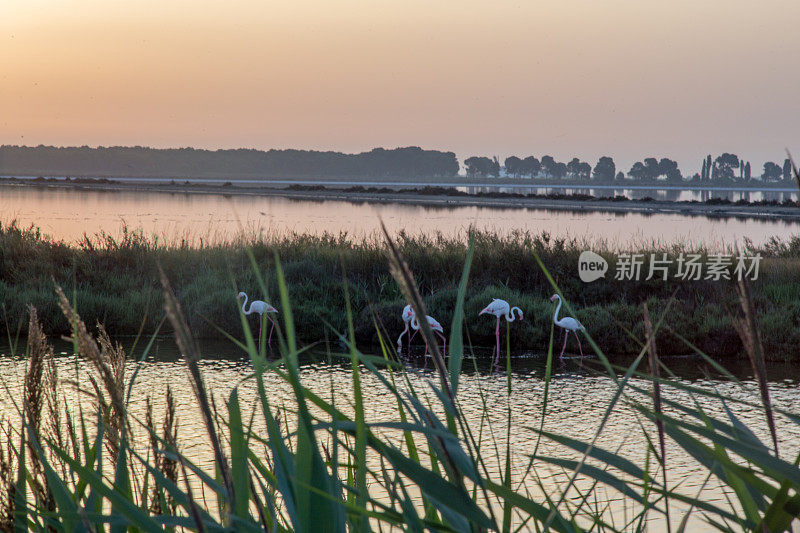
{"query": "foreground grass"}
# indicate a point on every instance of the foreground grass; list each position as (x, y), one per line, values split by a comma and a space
(114, 281)
(419, 468)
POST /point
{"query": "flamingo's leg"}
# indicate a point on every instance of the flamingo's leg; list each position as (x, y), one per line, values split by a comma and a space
(260, 329)
(566, 333)
(271, 330)
(579, 344)
(410, 338)
(497, 335)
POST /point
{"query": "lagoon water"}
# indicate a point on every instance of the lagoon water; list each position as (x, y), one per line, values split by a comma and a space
(666, 193)
(69, 214)
(568, 411)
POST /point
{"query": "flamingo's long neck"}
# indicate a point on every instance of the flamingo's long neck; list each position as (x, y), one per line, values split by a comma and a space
(510, 315)
(415, 323)
(558, 308)
(244, 304)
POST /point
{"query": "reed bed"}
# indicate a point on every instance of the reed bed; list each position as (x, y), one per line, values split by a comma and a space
(320, 467)
(115, 281)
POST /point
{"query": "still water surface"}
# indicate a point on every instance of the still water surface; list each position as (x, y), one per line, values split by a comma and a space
(577, 402)
(667, 193)
(661, 191)
(69, 214)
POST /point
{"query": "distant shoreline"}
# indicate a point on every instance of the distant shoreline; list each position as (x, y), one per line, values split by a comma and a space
(429, 196)
(402, 182)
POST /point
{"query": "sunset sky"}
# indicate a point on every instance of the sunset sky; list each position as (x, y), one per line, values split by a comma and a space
(626, 78)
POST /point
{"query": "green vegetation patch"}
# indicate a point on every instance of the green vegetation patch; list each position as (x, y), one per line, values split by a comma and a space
(114, 281)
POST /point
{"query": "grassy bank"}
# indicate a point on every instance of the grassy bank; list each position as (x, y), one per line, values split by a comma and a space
(115, 282)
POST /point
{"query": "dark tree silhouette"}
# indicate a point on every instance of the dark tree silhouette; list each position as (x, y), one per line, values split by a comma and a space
(548, 166)
(576, 169)
(604, 170)
(585, 171)
(638, 171)
(479, 166)
(139, 161)
(573, 168)
(560, 170)
(652, 170)
(772, 172)
(531, 166)
(669, 168)
(724, 167)
(494, 169)
(513, 166)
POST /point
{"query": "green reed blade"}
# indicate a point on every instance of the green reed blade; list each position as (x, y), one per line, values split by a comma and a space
(456, 351)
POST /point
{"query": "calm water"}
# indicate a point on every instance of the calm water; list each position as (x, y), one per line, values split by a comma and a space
(671, 194)
(68, 214)
(568, 411)
(522, 186)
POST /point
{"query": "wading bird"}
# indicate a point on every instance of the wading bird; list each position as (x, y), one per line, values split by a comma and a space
(260, 307)
(569, 324)
(408, 314)
(434, 325)
(500, 308)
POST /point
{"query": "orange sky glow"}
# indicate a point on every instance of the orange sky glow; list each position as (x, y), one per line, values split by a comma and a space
(567, 78)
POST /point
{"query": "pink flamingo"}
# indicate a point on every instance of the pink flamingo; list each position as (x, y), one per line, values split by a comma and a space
(408, 314)
(569, 324)
(435, 326)
(260, 307)
(500, 308)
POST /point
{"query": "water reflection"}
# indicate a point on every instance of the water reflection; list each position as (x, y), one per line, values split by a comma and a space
(637, 193)
(69, 214)
(578, 399)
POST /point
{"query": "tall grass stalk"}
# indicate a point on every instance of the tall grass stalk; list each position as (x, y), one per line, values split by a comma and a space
(654, 370)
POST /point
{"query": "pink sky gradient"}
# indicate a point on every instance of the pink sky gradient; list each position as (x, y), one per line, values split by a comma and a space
(567, 78)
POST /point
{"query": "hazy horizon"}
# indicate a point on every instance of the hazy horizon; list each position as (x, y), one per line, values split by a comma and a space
(570, 79)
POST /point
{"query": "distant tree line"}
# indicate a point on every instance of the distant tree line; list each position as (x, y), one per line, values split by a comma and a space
(140, 161)
(530, 167)
(729, 169)
(409, 162)
(604, 171)
(724, 169)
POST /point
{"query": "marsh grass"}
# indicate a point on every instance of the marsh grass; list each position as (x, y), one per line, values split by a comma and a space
(115, 281)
